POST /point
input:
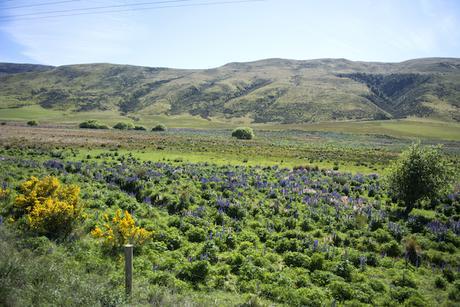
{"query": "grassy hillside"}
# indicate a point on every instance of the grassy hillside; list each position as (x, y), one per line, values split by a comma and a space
(266, 91)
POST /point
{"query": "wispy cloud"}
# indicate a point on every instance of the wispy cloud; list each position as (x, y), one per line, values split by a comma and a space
(209, 36)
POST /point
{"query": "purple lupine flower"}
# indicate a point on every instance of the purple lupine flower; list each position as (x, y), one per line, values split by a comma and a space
(455, 226)
(437, 228)
(315, 245)
(362, 262)
(54, 164)
(147, 200)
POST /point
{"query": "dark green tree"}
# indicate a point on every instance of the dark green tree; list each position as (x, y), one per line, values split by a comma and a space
(244, 133)
(419, 173)
(159, 127)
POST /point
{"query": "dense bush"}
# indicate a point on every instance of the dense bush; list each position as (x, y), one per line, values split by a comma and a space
(243, 133)
(49, 208)
(159, 127)
(141, 128)
(420, 173)
(93, 124)
(124, 126)
(32, 123)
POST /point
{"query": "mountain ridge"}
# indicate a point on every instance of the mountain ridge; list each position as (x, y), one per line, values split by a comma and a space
(267, 90)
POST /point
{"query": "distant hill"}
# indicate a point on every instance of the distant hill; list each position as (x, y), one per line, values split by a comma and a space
(12, 68)
(271, 90)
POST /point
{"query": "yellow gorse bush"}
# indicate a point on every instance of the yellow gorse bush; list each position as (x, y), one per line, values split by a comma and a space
(49, 207)
(120, 230)
(4, 192)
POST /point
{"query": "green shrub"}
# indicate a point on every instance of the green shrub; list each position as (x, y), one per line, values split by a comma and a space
(322, 278)
(196, 234)
(316, 262)
(448, 274)
(392, 249)
(195, 272)
(51, 277)
(32, 123)
(243, 133)
(382, 236)
(440, 282)
(405, 279)
(141, 128)
(159, 127)
(377, 285)
(296, 259)
(92, 124)
(454, 292)
(312, 296)
(341, 291)
(344, 269)
(401, 294)
(124, 126)
(420, 173)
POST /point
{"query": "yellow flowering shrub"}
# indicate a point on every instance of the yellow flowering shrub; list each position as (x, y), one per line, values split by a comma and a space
(120, 230)
(5, 199)
(49, 207)
(4, 193)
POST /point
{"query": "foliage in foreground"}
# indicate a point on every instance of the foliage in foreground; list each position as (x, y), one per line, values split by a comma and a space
(301, 236)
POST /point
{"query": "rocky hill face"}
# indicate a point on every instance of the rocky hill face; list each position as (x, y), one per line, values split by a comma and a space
(271, 90)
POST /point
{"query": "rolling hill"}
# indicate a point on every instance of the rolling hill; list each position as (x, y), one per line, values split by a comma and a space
(271, 90)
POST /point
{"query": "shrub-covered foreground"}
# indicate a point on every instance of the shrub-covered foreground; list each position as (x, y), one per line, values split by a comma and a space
(299, 236)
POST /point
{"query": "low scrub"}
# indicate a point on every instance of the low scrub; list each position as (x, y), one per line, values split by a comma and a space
(159, 127)
(124, 126)
(93, 124)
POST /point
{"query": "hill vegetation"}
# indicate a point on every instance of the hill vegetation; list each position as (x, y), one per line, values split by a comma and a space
(272, 90)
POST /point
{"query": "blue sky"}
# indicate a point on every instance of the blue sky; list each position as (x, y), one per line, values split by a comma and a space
(210, 36)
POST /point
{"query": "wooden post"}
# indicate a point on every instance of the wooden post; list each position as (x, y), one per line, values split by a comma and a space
(128, 268)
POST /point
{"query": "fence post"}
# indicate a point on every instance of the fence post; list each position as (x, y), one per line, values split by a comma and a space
(128, 268)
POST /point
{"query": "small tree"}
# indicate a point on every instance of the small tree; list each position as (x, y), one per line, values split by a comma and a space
(159, 127)
(420, 173)
(32, 123)
(243, 133)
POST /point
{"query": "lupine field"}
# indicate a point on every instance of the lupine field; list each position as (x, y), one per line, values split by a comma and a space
(208, 234)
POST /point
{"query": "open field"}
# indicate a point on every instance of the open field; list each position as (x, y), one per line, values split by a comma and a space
(410, 128)
(356, 152)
